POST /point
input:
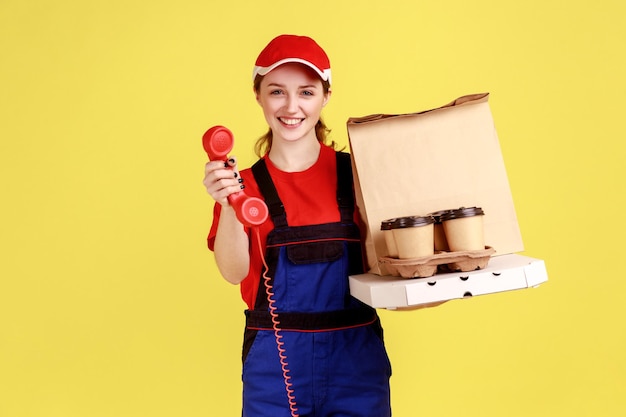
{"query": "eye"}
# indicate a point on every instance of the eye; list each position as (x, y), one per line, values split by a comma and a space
(307, 93)
(276, 92)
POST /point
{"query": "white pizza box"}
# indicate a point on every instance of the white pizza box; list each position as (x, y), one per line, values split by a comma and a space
(503, 273)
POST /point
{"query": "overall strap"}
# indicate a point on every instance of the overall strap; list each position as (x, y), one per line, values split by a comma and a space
(345, 196)
(268, 190)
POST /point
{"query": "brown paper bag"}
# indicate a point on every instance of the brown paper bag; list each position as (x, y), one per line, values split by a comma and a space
(419, 163)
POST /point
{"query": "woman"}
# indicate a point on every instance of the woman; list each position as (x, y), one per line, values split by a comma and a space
(323, 353)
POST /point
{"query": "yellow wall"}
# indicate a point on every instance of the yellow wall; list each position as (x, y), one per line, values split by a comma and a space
(110, 305)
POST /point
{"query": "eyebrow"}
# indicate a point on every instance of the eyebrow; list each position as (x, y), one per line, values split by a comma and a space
(283, 86)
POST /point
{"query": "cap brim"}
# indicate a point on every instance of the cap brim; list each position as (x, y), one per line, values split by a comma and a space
(324, 74)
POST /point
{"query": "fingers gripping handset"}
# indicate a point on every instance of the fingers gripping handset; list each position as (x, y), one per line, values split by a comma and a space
(218, 141)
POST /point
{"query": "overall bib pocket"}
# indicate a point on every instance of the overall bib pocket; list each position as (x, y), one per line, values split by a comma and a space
(315, 252)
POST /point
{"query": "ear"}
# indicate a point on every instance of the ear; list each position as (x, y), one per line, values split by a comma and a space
(256, 95)
(327, 97)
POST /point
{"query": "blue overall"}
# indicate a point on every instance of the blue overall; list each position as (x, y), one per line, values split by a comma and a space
(333, 343)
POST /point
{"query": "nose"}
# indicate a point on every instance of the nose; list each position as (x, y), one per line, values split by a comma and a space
(292, 103)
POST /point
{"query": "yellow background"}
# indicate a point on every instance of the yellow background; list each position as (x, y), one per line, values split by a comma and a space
(110, 304)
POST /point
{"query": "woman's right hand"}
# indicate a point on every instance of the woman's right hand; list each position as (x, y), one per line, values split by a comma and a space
(222, 179)
(231, 240)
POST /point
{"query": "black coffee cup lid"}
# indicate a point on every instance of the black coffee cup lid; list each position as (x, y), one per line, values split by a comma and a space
(387, 224)
(412, 221)
(438, 214)
(462, 212)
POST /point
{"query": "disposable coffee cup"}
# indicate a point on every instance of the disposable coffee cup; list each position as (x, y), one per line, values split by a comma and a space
(464, 229)
(390, 242)
(414, 236)
(441, 243)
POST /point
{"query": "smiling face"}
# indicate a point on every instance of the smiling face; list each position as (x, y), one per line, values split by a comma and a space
(292, 97)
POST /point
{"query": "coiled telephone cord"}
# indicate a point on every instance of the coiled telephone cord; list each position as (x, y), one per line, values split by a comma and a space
(277, 331)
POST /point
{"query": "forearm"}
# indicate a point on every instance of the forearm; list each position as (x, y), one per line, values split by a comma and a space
(231, 247)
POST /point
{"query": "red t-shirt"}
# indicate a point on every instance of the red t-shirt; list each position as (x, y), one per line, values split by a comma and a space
(309, 197)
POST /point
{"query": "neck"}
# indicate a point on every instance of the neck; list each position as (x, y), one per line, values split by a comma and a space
(295, 156)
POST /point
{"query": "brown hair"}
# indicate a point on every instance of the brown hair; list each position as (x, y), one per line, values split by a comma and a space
(264, 143)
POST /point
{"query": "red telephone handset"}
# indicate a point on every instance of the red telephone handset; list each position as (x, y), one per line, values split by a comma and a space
(218, 141)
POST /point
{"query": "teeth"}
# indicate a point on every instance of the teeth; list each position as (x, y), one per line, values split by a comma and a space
(290, 121)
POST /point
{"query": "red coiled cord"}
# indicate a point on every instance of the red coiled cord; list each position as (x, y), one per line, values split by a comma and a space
(277, 331)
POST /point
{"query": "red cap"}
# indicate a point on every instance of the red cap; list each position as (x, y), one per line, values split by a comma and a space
(292, 48)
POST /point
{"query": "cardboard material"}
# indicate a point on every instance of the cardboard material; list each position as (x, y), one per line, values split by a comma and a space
(504, 273)
(418, 163)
